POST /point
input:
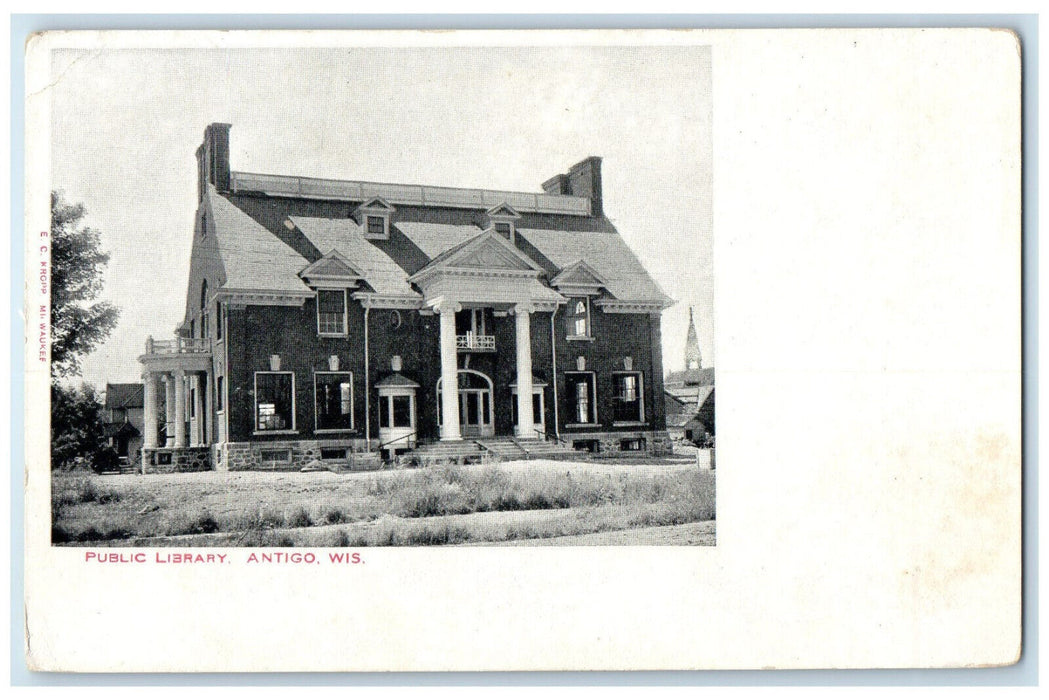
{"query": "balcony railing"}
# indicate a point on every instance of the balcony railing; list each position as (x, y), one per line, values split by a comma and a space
(473, 341)
(178, 346)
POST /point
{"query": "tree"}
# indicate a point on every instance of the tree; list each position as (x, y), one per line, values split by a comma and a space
(77, 433)
(78, 323)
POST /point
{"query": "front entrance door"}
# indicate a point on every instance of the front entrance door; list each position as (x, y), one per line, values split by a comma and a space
(475, 414)
(475, 404)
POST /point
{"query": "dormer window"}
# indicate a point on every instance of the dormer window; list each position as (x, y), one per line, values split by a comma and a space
(374, 216)
(503, 219)
(377, 226)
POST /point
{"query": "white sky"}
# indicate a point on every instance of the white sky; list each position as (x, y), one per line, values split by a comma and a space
(126, 124)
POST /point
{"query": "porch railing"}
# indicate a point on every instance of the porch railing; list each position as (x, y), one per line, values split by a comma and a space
(474, 341)
(178, 346)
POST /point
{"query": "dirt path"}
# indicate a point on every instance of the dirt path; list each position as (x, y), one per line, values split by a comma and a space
(703, 533)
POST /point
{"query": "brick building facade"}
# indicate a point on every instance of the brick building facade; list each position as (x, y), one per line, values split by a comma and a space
(324, 318)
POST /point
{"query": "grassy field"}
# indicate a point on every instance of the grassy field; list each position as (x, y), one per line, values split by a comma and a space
(444, 505)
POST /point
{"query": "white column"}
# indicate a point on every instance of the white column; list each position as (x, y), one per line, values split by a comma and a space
(449, 373)
(149, 410)
(169, 409)
(208, 402)
(198, 410)
(525, 424)
(179, 378)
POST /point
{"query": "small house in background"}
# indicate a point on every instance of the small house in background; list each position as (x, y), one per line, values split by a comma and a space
(123, 421)
(689, 395)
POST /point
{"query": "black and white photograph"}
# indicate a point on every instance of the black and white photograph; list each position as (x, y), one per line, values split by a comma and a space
(257, 351)
(396, 350)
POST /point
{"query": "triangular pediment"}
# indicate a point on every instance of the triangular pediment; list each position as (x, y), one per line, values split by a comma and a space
(377, 204)
(488, 251)
(578, 274)
(504, 211)
(492, 253)
(490, 256)
(332, 266)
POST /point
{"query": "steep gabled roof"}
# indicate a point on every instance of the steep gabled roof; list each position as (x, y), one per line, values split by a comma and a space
(253, 258)
(346, 237)
(605, 253)
(124, 396)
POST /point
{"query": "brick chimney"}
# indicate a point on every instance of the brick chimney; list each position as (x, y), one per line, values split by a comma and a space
(213, 158)
(582, 180)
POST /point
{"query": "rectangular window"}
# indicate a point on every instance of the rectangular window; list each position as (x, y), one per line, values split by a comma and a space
(384, 411)
(627, 397)
(219, 394)
(580, 395)
(274, 401)
(503, 230)
(218, 321)
(376, 226)
(334, 396)
(579, 318)
(537, 408)
(402, 411)
(331, 311)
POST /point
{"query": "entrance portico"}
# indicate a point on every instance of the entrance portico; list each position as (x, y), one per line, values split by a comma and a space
(177, 373)
(484, 272)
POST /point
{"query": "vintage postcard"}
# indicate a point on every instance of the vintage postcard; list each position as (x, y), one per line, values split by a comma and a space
(259, 262)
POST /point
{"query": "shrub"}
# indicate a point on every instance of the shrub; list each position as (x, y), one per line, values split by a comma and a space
(300, 518)
(334, 516)
(204, 523)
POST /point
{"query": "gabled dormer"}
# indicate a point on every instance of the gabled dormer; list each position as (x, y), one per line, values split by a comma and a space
(374, 216)
(333, 271)
(503, 219)
(578, 279)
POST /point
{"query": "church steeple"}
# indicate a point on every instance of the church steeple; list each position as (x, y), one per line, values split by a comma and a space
(693, 359)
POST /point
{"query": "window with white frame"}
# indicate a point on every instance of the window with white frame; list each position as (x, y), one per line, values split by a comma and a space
(581, 397)
(333, 393)
(579, 317)
(395, 411)
(375, 216)
(274, 401)
(331, 311)
(628, 399)
(537, 406)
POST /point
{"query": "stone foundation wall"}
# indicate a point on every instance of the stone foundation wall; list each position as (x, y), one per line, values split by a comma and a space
(291, 455)
(169, 460)
(653, 442)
